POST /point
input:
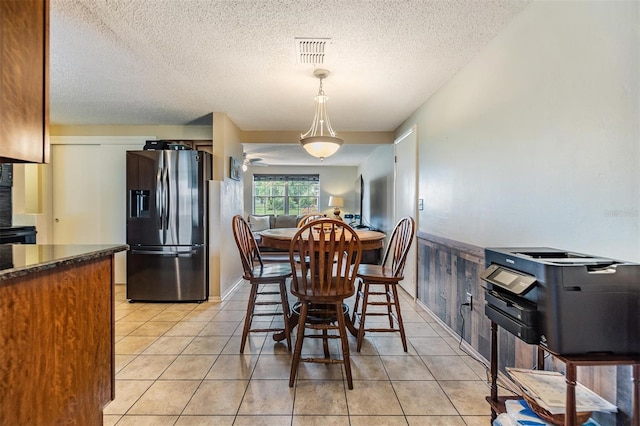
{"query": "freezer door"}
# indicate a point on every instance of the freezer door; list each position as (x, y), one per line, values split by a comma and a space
(167, 274)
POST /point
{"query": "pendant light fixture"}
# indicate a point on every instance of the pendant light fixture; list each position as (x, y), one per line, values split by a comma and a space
(321, 141)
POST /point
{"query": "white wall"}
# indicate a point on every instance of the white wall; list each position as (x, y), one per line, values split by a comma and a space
(227, 267)
(536, 142)
(334, 180)
(32, 199)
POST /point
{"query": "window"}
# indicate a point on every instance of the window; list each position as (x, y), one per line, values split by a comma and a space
(285, 194)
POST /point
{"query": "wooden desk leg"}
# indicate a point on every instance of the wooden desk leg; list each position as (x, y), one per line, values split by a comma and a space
(494, 366)
(570, 408)
(636, 395)
(540, 359)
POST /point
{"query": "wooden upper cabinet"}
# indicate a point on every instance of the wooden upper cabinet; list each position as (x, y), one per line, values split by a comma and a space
(24, 81)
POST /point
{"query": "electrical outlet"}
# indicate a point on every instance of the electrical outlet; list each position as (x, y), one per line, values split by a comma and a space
(470, 301)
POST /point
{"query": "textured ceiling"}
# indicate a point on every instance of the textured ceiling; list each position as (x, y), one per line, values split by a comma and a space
(176, 61)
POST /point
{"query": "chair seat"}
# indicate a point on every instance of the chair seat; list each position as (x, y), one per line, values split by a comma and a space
(270, 271)
(329, 296)
(377, 273)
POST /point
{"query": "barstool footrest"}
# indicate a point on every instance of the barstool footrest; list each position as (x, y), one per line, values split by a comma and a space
(264, 330)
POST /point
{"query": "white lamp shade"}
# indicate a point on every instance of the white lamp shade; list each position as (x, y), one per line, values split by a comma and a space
(336, 201)
(321, 147)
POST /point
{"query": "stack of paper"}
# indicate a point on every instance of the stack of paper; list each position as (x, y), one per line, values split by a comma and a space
(548, 389)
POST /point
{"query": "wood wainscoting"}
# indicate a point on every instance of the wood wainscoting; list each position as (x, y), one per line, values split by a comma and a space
(448, 269)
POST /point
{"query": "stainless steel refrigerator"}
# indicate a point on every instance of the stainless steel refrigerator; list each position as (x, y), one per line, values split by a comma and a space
(167, 225)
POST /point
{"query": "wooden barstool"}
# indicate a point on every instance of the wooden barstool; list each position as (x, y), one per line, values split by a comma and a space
(333, 250)
(381, 282)
(259, 276)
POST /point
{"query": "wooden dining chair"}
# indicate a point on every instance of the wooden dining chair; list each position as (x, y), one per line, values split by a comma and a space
(260, 276)
(333, 250)
(309, 217)
(378, 284)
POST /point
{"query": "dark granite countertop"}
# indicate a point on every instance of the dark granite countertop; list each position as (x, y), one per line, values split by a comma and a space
(22, 259)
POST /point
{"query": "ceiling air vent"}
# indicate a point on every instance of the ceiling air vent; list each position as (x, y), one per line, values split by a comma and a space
(311, 50)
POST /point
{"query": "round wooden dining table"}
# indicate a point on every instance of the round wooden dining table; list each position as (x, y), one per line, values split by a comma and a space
(280, 238)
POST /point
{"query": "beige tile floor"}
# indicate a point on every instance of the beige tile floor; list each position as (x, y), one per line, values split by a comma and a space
(179, 364)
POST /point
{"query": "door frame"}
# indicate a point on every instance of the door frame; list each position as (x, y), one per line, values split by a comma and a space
(409, 202)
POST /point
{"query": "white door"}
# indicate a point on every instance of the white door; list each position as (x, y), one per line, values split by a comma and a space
(76, 194)
(89, 192)
(405, 191)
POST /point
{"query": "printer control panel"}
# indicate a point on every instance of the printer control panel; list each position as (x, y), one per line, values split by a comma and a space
(510, 280)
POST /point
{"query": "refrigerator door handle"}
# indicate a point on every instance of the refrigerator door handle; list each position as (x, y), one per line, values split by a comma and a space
(159, 198)
(181, 253)
(167, 198)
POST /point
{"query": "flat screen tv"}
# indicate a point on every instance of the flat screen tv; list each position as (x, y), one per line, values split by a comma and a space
(359, 197)
(378, 205)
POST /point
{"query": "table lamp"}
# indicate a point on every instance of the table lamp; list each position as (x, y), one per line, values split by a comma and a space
(336, 203)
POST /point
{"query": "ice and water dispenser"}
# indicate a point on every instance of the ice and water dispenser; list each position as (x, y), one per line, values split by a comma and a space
(139, 203)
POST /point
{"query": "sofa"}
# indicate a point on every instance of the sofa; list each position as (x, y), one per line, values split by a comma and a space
(259, 223)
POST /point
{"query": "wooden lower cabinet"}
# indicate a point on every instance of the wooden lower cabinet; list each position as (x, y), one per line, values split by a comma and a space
(56, 329)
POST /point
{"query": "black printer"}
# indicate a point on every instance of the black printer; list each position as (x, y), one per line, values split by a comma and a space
(572, 303)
